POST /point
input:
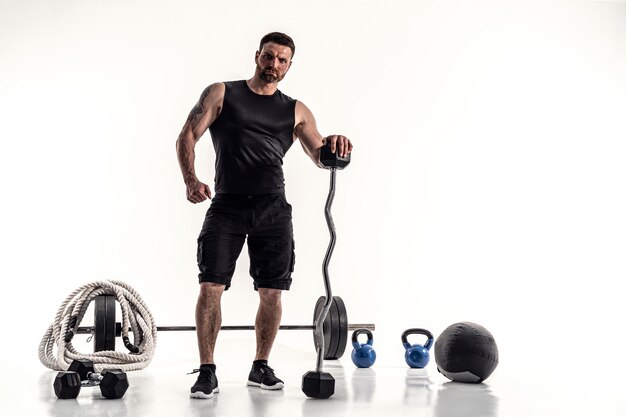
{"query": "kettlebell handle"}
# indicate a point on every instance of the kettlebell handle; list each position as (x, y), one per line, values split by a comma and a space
(424, 332)
(357, 332)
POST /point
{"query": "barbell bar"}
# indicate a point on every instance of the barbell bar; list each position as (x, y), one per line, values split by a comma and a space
(351, 327)
(336, 326)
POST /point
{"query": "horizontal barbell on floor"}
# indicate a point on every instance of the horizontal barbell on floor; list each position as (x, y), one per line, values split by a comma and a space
(336, 326)
(351, 327)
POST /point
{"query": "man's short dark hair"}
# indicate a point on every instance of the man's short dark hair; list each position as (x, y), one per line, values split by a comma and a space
(279, 38)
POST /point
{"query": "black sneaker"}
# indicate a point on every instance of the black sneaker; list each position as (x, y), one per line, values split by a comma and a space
(206, 384)
(263, 376)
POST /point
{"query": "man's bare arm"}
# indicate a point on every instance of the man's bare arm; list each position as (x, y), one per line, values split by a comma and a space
(312, 140)
(200, 118)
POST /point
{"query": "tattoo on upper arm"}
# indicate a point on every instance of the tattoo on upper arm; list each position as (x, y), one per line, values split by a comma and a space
(199, 108)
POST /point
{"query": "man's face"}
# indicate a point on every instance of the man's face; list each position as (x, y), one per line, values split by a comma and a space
(272, 62)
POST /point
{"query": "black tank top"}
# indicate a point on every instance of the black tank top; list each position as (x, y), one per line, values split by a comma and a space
(251, 136)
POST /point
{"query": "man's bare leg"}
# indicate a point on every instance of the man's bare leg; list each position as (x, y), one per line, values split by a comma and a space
(208, 319)
(267, 321)
(267, 324)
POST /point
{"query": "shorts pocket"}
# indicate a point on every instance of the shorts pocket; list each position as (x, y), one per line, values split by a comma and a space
(293, 256)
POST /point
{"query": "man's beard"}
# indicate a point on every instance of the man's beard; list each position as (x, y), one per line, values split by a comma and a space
(269, 77)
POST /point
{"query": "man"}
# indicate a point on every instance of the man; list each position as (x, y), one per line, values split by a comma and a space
(252, 125)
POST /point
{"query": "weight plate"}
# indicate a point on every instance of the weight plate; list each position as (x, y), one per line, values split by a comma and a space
(316, 312)
(319, 306)
(331, 353)
(343, 327)
(104, 323)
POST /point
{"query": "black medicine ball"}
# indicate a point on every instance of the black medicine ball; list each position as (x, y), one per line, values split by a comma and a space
(466, 352)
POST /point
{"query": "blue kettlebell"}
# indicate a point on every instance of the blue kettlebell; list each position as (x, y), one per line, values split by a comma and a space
(363, 355)
(417, 356)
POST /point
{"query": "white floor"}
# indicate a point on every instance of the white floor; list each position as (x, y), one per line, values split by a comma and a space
(389, 388)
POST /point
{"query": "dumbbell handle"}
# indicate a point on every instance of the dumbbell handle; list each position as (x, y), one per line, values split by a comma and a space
(94, 376)
(93, 379)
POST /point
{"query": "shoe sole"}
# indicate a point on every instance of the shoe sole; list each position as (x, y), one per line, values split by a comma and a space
(201, 395)
(277, 386)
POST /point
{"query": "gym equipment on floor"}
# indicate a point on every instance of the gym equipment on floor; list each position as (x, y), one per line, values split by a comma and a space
(466, 352)
(136, 317)
(363, 354)
(112, 382)
(336, 327)
(320, 384)
(416, 355)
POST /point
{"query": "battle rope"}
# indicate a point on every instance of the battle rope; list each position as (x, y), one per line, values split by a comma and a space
(135, 315)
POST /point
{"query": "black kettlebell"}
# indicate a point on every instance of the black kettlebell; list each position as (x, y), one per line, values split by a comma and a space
(363, 354)
(417, 356)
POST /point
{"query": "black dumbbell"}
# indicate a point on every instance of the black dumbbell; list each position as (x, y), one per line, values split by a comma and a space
(113, 383)
(67, 385)
(330, 159)
(318, 384)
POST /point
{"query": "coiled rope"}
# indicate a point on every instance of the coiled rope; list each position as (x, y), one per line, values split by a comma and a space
(135, 315)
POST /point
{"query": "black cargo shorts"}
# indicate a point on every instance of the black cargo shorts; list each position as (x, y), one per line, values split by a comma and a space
(266, 222)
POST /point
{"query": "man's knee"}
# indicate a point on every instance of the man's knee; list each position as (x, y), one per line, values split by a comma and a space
(270, 296)
(211, 289)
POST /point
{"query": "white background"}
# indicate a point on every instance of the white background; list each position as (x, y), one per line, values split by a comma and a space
(487, 181)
